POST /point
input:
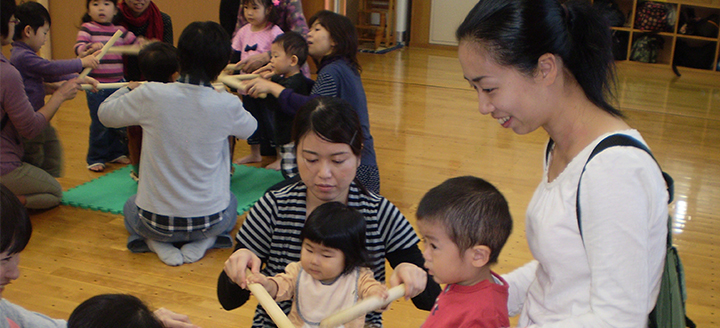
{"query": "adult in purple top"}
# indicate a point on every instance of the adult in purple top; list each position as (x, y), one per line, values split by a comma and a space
(35, 187)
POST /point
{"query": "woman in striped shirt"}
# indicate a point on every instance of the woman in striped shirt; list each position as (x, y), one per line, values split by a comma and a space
(328, 142)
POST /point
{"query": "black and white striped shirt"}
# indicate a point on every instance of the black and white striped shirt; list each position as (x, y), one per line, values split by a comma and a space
(272, 231)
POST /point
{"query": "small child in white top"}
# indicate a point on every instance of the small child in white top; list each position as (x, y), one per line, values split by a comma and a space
(332, 273)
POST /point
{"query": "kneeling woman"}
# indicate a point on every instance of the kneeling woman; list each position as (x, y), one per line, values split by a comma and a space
(328, 143)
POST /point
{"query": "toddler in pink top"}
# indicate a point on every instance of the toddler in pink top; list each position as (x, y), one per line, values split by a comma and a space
(105, 145)
(256, 37)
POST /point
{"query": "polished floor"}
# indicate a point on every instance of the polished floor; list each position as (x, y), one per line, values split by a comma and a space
(427, 128)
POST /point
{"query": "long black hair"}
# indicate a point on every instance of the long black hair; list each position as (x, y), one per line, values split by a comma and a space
(336, 225)
(15, 226)
(113, 311)
(333, 120)
(517, 32)
(7, 10)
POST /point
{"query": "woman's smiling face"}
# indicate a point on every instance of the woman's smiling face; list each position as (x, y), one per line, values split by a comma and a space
(504, 93)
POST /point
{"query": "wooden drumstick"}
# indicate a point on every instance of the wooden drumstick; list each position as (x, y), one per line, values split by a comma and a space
(362, 307)
(131, 49)
(269, 304)
(103, 51)
(236, 84)
(243, 77)
(231, 67)
(118, 85)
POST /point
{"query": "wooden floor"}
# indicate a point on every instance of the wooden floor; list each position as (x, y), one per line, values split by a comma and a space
(427, 128)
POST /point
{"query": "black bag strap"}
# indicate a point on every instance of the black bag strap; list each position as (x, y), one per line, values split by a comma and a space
(612, 141)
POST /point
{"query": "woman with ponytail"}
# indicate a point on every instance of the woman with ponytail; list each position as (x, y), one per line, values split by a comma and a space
(542, 64)
(143, 18)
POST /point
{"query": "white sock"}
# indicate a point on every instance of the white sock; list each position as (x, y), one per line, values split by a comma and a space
(167, 253)
(194, 251)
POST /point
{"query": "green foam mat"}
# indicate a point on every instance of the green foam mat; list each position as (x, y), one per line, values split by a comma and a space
(109, 192)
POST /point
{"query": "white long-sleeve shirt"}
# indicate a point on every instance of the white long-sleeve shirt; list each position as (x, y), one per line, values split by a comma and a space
(612, 277)
(185, 161)
(25, 318)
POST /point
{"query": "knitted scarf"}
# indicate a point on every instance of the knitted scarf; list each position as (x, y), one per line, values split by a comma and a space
(151, 16)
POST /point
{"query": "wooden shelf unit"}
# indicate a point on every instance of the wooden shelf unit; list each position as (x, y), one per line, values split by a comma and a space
(666, 55)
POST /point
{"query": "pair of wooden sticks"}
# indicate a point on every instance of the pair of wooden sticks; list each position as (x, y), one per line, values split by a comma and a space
(337, 319)
(233, 81)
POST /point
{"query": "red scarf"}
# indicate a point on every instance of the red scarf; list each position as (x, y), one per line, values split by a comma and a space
(152, 15)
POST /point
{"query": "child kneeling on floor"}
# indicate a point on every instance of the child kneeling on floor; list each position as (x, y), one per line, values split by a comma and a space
(465, 222)
(184, 194)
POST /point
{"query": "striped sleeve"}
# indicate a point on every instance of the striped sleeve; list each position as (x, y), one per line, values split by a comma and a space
(83, 40)
(397, 231)
(256, 231)
(325, 86)
(128, 37)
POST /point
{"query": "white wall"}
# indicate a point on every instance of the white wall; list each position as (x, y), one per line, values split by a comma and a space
(445, 17)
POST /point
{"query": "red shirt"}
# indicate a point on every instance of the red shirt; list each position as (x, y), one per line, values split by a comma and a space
(481, 305)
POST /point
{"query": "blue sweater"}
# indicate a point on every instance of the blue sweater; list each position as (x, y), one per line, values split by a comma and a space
(337, 79)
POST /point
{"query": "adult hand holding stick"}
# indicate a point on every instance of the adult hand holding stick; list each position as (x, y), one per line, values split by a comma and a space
(239, 85)
(131, 85)
(103, 51)
(361, 308)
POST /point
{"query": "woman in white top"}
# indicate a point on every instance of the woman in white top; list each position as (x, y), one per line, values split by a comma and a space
(539, 64)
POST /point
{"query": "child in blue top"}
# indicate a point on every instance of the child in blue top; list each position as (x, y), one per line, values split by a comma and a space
(45, 150)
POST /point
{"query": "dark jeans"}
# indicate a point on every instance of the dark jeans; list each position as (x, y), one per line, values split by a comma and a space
(106, 144)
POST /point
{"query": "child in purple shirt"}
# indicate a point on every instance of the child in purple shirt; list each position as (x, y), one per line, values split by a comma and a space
(44, 150)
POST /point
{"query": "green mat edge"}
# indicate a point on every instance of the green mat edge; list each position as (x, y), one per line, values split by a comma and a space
(118, 171)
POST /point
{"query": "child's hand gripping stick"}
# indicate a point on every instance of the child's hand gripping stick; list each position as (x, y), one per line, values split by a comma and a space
(103, 51)
(269, 304)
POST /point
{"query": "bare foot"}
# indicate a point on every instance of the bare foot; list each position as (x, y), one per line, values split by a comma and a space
(121, 160)
(274, 165)
(96, 167)
(249, 159)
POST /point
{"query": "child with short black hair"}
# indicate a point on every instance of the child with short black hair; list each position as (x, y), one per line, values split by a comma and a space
(184, 194)
(333, 271)
(43, 151)
(158, 63)
(288, 54)
(465, 222)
